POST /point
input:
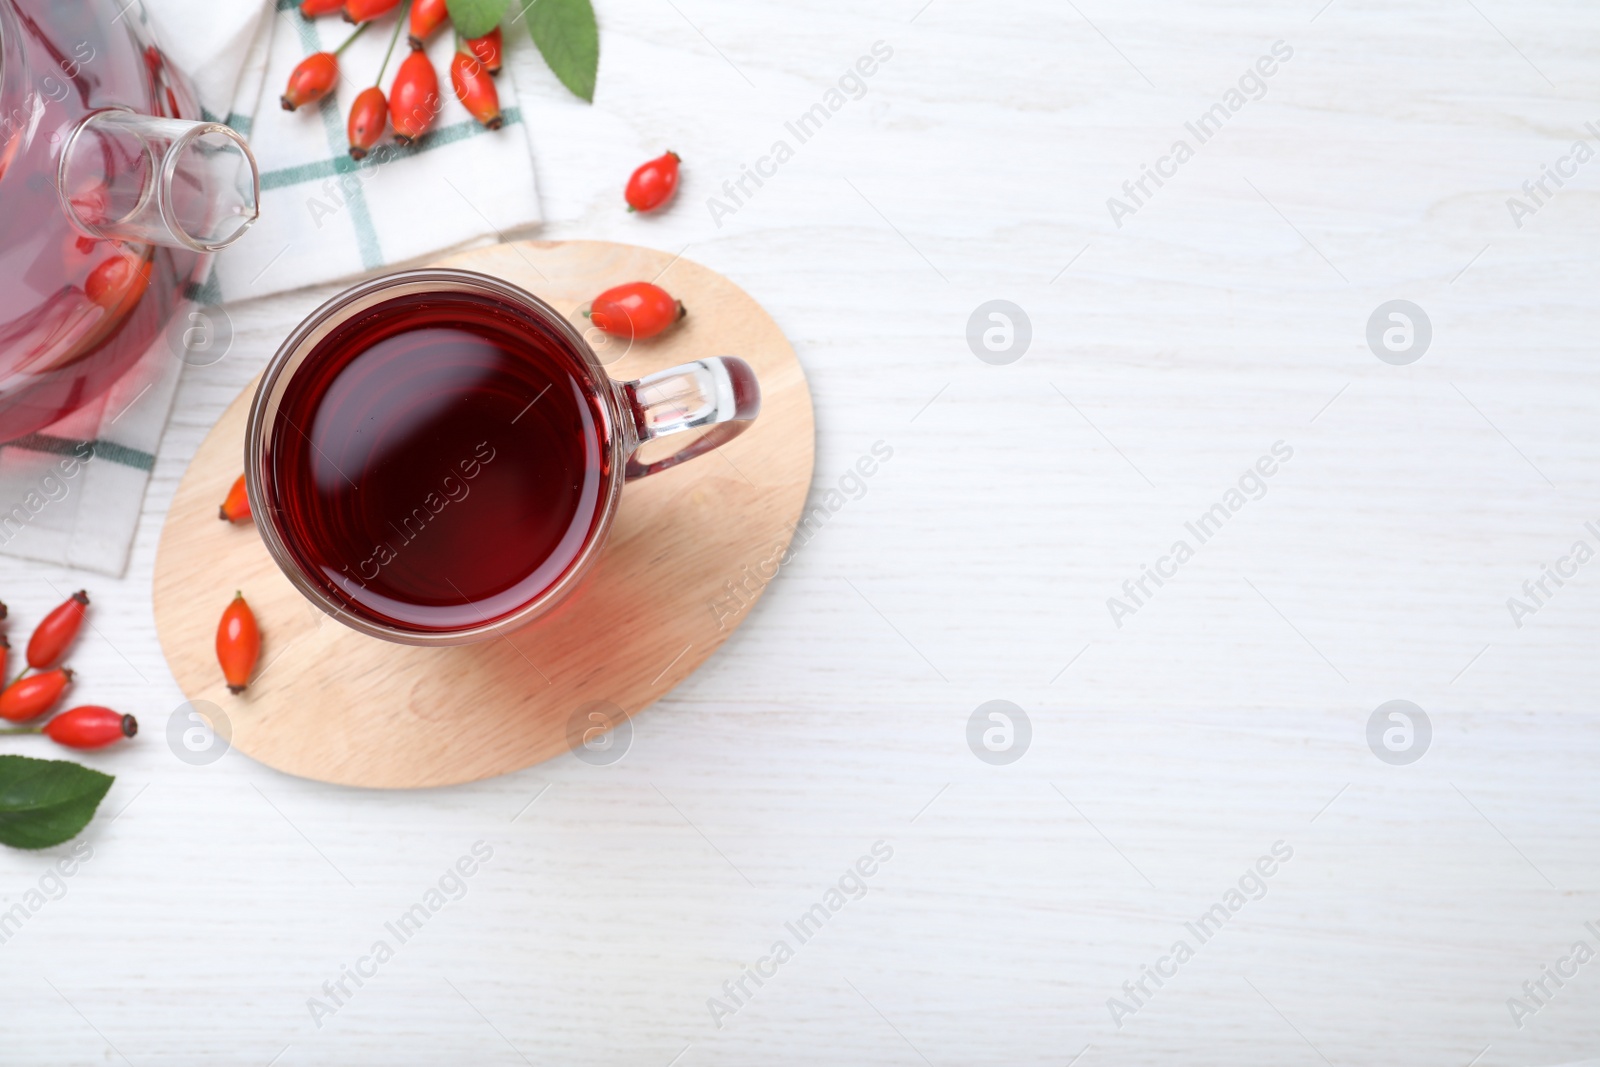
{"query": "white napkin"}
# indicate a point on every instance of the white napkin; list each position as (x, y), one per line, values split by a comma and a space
(71, 493)
(323, 218)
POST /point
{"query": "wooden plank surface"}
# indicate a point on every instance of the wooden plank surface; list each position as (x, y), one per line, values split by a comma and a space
(1230, 712)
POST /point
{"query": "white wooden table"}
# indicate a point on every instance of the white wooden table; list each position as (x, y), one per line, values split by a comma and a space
(1227, 713)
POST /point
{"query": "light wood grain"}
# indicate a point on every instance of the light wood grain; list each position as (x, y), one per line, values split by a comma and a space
(336, 705)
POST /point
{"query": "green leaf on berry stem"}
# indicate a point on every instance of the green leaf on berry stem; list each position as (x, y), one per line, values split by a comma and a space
(474, 18)
(569, 40)
(44, 802)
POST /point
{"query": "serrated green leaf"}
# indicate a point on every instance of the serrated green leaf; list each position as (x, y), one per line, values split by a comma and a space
(44, 802)
(474, 18)
(569, 40)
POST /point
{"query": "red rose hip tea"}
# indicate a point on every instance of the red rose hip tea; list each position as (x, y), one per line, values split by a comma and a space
(436, 456)
(440, 462)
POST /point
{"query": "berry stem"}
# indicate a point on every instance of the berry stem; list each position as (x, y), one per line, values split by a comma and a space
(358, 31)
(404, 11)
(22, 730)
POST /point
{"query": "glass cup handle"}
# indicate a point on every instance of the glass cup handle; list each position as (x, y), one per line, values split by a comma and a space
(720, 393)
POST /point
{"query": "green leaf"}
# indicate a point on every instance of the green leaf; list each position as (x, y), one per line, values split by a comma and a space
(569, 40)
(44, 802)
(474, 18)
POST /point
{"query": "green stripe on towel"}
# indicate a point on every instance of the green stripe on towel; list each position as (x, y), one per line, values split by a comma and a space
(333, 124)
(343, 164)
(240, 124)
(67, 446)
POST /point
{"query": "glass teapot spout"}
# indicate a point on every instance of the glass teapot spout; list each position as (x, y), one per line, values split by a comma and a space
(131, 177)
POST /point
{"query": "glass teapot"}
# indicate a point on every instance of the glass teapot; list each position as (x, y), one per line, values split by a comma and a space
(111, 197)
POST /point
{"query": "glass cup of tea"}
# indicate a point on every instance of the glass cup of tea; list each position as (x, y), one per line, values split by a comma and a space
(436, 456)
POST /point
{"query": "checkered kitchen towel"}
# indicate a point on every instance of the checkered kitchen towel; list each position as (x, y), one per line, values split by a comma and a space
(324, 217)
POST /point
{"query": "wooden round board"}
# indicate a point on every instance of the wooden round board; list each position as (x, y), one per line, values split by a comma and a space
(334, 705)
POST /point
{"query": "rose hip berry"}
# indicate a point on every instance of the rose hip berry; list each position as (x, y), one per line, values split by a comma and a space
(118, 282)
(367, 10)
(311, 80)
(369, 117)
(315, 76)
(238, 643)
(89, 726)
(636, 310)
(426, 17)
(56, 631)
(488, 49)
(653, 183)
(475, 89)
(312, 8)
(413, 98)
(236, 506)
(32, 696)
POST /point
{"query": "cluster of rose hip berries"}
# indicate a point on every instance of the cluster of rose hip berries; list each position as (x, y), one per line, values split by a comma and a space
(413, 101)
(40, 685)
